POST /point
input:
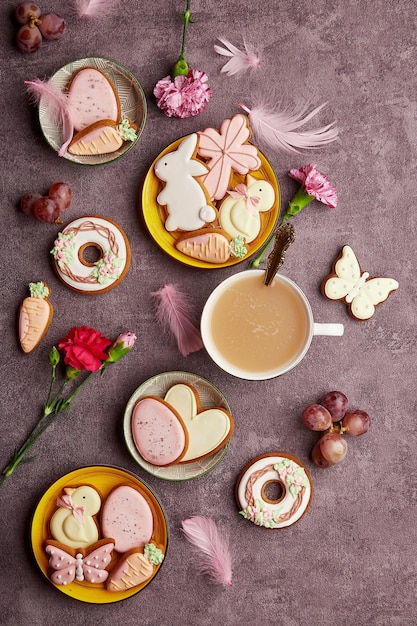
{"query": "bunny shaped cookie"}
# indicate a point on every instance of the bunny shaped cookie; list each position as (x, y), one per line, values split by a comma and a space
(183, 195)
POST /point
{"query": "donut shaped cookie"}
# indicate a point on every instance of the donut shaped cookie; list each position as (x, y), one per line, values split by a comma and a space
(285, 474)
(100, 236)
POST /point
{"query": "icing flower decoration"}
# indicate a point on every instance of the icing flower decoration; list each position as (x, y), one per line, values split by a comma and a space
(107, 268)
(188, 93)
(85, 350)
(63, 250)
(315, 186)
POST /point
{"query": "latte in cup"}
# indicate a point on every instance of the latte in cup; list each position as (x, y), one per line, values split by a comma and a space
(254, 331)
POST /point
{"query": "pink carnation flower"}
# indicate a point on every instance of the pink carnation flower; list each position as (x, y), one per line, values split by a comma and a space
(185, 96)
(316, 184)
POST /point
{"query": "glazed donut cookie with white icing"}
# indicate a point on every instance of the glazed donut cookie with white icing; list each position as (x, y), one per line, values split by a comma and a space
(275, 470)
(100, 236)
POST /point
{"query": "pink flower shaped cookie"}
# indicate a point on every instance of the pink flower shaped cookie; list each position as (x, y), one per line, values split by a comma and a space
(227, 150)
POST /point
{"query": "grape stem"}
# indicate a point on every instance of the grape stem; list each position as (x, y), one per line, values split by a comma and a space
(338, 428)
(33, 20)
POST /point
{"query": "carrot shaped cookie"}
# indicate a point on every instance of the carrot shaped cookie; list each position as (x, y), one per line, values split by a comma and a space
(35, 316)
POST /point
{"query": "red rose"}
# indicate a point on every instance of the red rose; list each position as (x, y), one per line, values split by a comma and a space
(83, 348)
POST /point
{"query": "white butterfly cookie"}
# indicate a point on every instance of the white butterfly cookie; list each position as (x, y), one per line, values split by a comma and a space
(347, 282)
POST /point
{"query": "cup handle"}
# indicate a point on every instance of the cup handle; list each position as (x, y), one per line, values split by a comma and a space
(334, 330)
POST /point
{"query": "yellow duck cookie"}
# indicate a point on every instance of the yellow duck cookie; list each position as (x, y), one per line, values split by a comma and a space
(73, 524)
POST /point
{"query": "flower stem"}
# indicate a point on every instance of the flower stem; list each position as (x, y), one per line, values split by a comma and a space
(181, 66)
(187, 16)
(297, 204)
(50, 413)
(258, 260)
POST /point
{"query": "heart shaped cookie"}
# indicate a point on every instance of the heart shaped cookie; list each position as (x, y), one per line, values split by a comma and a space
(92, 97)
(208, 429)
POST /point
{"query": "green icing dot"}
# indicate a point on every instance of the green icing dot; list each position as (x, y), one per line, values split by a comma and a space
(154, 554)
(237, 247)
(126, 132)
(38, 290)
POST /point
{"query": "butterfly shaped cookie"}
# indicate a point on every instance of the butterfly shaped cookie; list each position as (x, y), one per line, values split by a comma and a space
(360, 292)
(69, 565)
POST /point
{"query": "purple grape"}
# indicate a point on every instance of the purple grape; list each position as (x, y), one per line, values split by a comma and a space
(52, 26)
(26, 12)
(336, 403)
(356, 422)
(46, 209)
(28, 38)
(333, 447)
(316, 417)
(27, 201)
(317, 457)
(62, 194)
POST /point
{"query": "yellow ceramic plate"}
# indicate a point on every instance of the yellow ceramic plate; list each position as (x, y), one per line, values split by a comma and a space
(132, 102)
(104, 478)
(154, 216)
(158, 385)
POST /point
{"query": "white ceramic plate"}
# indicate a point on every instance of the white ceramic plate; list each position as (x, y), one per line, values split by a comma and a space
(158, 385)
(132, 100)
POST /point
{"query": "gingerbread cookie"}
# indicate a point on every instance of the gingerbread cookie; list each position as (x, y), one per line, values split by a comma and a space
(361, 293)
(227, 150)
(92, 97)
(136, 567)
(158, 431)
(127, 519)
(35, 316)
(208, 429)
(68, 565)
(74, 522)
(187, 205)
(274, 470)
(100, 235)
(239, 213)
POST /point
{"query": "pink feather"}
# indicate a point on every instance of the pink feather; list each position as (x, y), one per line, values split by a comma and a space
(56, 105)
(93, 8)
(212, 547)
(174, 313)
(279, 130)
(239, 60)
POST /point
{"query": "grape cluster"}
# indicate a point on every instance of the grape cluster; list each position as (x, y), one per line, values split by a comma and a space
(35, 26)
(47, 208)
(331, 417)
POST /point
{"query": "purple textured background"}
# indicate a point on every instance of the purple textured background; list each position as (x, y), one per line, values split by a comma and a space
(351, 559)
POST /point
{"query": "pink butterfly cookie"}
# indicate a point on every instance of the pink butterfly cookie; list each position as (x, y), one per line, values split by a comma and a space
(68, 565)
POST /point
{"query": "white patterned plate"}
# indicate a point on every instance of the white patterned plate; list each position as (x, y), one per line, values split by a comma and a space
(132, 100)
(158, 385)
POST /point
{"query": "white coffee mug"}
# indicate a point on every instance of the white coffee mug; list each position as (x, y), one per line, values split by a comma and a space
(257, 332)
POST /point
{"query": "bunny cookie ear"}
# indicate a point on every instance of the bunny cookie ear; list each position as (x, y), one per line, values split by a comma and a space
(187, 146)
(186, 150)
